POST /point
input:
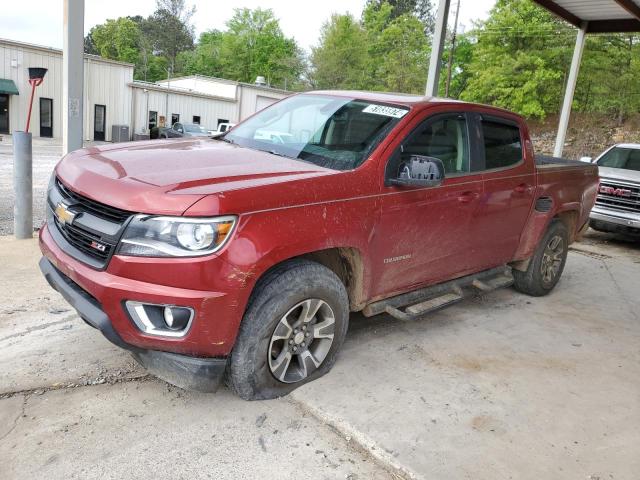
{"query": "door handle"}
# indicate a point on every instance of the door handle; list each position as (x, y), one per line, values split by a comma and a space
(467, 197)
(522, 188)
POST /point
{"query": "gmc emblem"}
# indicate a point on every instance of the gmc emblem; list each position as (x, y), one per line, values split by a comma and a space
(617, 192)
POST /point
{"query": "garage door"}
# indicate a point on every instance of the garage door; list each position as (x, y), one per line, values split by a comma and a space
(264, 102)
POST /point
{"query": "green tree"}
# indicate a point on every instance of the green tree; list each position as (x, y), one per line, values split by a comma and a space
(168, 30)
(520, 59)
(117, 39)
(422, 9)
(254, 45)
(397, 49)
(205, 58)
(601, 90)
(341, 58)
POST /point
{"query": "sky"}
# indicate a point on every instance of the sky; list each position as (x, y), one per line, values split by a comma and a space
(40, 21)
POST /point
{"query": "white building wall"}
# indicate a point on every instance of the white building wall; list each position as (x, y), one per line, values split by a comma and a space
(210, 110)
(111, 84)
(106, 83)
(253, 99)
(210, 86)
(14, 62)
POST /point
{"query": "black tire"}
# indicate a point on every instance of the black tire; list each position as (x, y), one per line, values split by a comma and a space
(536, 280)
(249, 371)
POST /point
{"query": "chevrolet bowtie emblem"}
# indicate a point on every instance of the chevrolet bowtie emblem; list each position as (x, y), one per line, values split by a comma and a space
(63, 214)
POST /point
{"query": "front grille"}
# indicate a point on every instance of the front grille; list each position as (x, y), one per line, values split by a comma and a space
(86, 242)
(99, 209)
(619, 196)
(90, 244)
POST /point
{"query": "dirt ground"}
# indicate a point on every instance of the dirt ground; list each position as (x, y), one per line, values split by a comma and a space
(499, 386)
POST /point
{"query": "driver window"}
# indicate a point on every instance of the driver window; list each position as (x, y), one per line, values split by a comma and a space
(446, 138)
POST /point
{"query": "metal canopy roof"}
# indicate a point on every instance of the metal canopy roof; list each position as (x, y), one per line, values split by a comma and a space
(603, 16)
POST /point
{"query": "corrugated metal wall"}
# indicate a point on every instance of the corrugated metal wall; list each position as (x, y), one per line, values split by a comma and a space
(109, 83)
(209, 110)
(253, 99)
(106, 84)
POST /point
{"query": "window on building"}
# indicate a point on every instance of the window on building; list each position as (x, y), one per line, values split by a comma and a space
(222, 120)
(196, 119)
(153, 120)
(502, 144)
(175, 117)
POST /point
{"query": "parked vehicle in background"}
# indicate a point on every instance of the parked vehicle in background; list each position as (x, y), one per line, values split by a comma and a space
(274, 136)
(617, 207)
(222, 128)
(179, 130)
(247, 255)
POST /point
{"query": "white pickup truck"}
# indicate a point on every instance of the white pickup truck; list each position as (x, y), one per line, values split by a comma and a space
(617, 207)
(222, 128)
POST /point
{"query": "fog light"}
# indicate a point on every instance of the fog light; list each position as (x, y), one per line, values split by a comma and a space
(160, 320)
(176, 318)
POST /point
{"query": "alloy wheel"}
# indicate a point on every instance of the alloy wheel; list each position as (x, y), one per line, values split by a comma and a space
(301, 340)
(552, 259)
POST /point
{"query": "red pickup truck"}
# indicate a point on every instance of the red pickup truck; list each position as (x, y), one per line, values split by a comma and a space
(241, 257)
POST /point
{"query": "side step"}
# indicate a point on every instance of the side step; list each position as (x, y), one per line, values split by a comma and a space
(415, 305)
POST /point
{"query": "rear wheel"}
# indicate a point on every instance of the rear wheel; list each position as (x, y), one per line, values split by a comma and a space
(294, 325)
(547, 263)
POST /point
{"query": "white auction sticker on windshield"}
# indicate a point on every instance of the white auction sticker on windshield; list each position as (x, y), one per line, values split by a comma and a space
(386, 111)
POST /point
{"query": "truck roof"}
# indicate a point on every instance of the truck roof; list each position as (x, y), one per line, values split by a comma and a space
(405, 99)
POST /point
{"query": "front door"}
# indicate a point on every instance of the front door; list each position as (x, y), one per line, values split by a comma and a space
(424, 232)
(99, 122)
(46, 117)
(4, 113)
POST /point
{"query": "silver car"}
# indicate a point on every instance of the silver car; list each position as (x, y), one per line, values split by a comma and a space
(617, 207)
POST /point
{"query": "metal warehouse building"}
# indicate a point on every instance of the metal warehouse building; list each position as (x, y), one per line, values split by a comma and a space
(112, 97)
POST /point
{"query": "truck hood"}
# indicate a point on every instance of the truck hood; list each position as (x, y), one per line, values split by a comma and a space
(168, 176)
(619, 174)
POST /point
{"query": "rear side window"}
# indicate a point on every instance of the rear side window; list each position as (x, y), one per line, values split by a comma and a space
(502, 144)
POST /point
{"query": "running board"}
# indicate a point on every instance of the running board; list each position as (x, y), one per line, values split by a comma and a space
(415, 305)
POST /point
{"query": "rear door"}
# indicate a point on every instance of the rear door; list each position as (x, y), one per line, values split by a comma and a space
(509, 189)
(424, 232)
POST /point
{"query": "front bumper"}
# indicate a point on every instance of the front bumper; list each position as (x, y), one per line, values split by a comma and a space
(202, 374)
(616, 219)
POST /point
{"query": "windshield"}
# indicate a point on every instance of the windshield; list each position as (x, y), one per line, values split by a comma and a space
(332, 132)
(193, 128)
(625, 158)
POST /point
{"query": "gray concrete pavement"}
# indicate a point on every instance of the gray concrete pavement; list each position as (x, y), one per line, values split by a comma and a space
(501, 386)
(46, 154)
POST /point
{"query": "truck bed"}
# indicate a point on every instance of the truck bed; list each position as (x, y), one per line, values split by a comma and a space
(546, 160)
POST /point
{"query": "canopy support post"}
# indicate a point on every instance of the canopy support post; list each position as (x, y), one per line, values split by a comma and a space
(570, 90)
(437, 47)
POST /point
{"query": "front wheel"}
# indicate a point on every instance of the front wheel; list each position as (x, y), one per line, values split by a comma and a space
(547, 263)
(295, 323)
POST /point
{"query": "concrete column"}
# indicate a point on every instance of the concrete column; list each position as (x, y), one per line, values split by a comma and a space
(437, 47)
(22, 185)
(72, 75)
(570, 90)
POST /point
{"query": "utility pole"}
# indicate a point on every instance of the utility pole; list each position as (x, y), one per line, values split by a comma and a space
(452, 51)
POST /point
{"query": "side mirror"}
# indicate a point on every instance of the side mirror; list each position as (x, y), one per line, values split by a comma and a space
(586, 159)
(420, 171)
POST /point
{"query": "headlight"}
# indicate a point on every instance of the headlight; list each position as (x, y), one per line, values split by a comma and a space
(148, 236)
